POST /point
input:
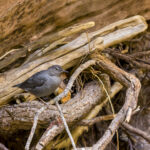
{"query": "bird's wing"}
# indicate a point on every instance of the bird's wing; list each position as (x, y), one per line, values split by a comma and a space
(36, 80)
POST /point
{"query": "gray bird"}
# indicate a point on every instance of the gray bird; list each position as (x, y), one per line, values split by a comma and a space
(43, 83)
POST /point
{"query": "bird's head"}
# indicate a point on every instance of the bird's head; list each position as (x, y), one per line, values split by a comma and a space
(56, 70)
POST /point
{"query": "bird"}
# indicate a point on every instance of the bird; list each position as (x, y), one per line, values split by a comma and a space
(43, 83)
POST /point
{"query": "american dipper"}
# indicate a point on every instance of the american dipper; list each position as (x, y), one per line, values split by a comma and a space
(43, 83)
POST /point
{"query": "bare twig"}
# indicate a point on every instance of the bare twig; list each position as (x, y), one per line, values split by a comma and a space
(112, 107)
(132, 58)
(89, 122)
(140, 54)
(66, 126)
(137, 131)
(27, 146)
(36, 121)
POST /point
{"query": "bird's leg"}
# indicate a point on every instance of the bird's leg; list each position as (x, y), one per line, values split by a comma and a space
(24, 97)
(60, 89)
(43, 101)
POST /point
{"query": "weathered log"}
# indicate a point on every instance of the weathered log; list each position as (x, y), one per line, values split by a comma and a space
(15, 117)
(14, 54)
(110, 35)
(23, 21)
(35, 24)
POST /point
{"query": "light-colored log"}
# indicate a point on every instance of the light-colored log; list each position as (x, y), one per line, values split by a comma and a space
(24, 21)
(14, 117)
(103, 38)
(54, 40)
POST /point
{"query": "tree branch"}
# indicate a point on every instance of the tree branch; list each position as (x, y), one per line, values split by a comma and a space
(89, 122)
(137, 131)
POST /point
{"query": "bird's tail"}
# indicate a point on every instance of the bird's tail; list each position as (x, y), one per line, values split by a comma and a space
(17, 85)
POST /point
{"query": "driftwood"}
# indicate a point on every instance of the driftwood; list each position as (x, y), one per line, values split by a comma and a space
(110, 35)
(55, 40)
(24, 21)
(11, 56)
(13, 118)
(130, 102)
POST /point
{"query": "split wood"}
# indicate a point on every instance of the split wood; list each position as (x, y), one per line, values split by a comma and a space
(69, 54)
(124, 78)
(55, 39)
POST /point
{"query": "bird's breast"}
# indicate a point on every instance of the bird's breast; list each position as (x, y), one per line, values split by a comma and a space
(53, 83)
(49, 86)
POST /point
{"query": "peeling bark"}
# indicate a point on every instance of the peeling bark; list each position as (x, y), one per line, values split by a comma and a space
(16, 117)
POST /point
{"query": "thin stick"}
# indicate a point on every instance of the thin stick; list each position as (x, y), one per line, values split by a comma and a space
(89, 122)
(137, 131)
(35, 124)
(133, 88)
(66, 126)
(27, 146)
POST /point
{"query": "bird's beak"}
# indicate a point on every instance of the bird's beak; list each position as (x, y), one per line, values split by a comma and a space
(64, 71)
